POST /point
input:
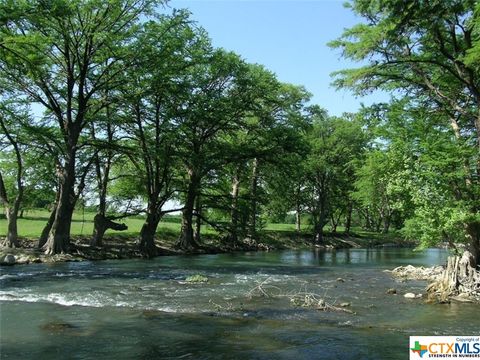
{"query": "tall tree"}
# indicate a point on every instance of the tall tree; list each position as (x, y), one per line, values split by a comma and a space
(154, 86)
(278, 144)
(425, 49)
(54, 53)
(335, 145)
(419, 174)
(104, 159)
(224, 91)
(372, 191)
(11, 200)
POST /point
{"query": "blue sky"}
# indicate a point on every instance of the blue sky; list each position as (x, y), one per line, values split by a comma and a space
(289, 37)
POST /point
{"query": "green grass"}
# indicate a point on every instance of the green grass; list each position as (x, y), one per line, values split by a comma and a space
(33, 222)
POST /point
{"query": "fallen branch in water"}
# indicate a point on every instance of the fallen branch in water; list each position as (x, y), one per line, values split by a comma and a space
(262, 288)
(300, 298)
(314, 301)
(227, 307)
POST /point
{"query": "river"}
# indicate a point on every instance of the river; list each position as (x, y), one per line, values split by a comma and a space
(144, 309)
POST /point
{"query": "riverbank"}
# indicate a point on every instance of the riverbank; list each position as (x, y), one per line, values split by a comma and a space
(126, 247)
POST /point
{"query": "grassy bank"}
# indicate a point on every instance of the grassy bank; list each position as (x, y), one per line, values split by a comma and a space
(31, 225)
(123, 244)
(33, 222)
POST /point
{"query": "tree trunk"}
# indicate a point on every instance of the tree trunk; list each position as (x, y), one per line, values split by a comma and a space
(298, 210)
(321, 220)
(147, 234)
(334, 224)
(378, 222)
(386, 224)
(12, 233)
(58, 240)
(348, 222)
(186, 240)
(99, 228)
(473, 234)
(297, 218)
(12, 209)
(234, 207)
(368, 224)
(198, 221)
(253, 196)
(102, 224)
(472, 229)
(318, 239)
(48, 226)
(459, 278)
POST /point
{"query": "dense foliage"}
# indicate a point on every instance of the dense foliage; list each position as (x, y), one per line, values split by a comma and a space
(125, 107)
(426, 54)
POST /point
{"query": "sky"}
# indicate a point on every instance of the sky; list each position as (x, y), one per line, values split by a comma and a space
(288, 37)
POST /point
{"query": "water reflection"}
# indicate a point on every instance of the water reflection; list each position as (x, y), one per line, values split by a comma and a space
(376, 257)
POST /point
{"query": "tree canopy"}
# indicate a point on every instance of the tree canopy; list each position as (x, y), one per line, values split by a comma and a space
(125, 106)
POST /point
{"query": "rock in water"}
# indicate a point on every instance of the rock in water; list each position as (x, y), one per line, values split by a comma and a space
(410, 272)
(409, 296)
(8, 259)
(391, 291)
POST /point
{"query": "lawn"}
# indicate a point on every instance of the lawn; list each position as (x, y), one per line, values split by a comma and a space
(33, 222)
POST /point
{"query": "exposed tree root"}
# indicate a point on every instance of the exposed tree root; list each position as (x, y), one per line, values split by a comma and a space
(460, 280)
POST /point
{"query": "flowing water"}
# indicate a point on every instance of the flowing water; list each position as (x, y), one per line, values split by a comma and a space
(144, 309)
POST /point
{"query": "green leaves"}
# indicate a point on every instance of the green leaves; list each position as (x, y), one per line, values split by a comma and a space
(405, 50)
(424, 161)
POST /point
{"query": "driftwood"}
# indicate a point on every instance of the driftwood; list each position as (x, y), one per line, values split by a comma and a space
(263, 289)
(459, 280)
(314, 301)
(300, 298)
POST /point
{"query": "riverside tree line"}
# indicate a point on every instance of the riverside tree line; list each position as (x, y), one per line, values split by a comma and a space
(126, 105)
